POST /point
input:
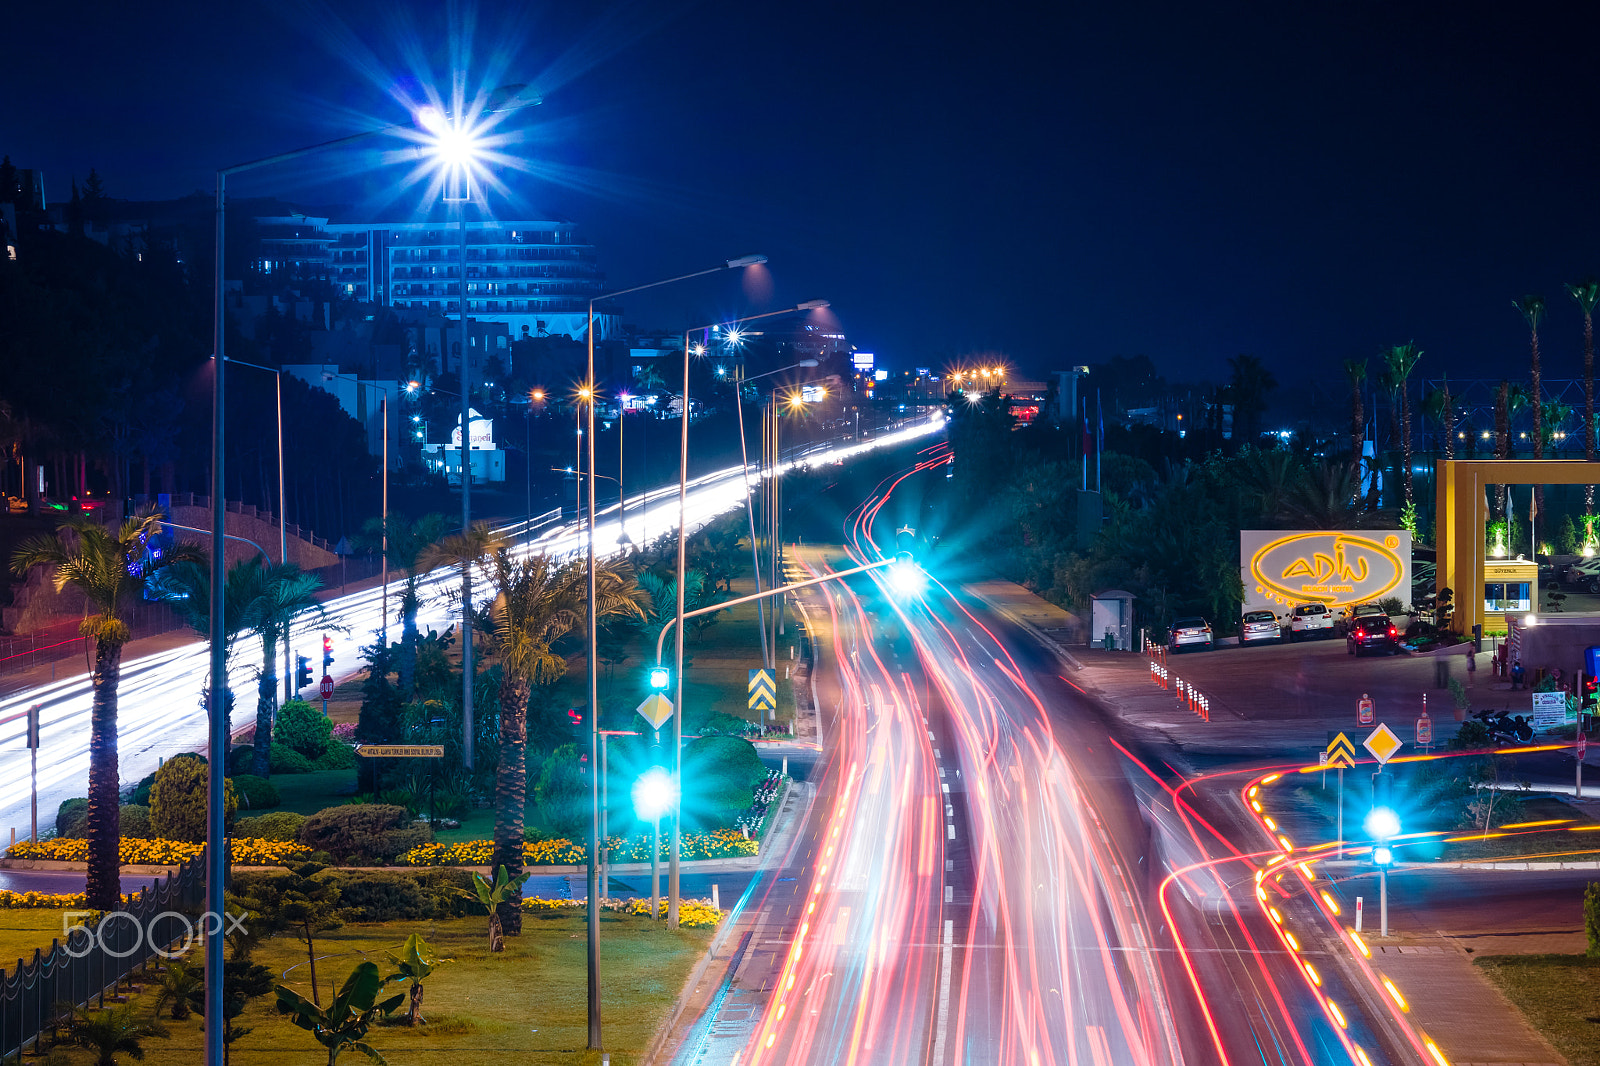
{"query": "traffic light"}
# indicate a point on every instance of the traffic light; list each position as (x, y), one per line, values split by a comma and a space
(302, 673)
(660, 677)
(1382, 855)
(1382, 824)
(327, 653)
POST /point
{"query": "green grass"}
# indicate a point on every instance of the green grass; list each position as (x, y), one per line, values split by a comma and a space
(23, 931)
(525, 1005)
(310, 793)
(1556, 993)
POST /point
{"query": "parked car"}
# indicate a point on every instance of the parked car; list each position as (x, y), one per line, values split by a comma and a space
(1260, 627)
(1373, 632)
(1350, 614)
(1310, 620)
(1585, 575)
(1190, 633)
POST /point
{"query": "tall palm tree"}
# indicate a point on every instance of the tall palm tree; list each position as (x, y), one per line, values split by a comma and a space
(467, 551)
(537, 601)
(1437, 406)
(1321, 498)
(1532, 308)
(1587, 294)
(1356, 371)
(408, 542)
(110, 570)
(1502, 439)
(287, 593)
(187, 586)
(1249, 384)
(1400, 361)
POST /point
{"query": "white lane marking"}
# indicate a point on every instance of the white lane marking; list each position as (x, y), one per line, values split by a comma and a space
(951, 834)
(949, 893)
(946, 787)
(941, 1030)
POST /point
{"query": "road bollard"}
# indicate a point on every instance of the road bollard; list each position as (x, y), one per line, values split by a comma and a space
(716, 899)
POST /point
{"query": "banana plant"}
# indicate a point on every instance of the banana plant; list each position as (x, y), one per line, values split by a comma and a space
(416, 961)
(342, 1026)
(491, 896)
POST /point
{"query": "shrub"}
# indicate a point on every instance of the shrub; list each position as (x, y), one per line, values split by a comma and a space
(366, 832)
(255, 793)
(1591, 918)
(286, 760)
(720, 775)
(303, 728)
(563, 792)
(337, 757)
(178, 800)
(135, 822)
(279, 825)
(240, 759)
(72, 816)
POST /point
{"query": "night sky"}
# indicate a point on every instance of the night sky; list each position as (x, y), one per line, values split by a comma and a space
(1058, 183)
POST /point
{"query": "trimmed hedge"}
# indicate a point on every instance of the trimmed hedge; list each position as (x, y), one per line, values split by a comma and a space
(255, 793)
(285, 760)
(278, 825)
(364, 833)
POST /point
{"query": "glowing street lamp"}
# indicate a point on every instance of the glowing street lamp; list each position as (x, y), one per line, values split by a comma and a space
(655, 794)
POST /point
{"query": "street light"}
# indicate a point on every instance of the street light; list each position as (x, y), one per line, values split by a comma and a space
(774, 494)
(654, 794)
(683, 537)
(594, 650)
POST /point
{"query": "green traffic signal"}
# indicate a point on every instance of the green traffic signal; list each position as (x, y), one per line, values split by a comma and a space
(659, 677)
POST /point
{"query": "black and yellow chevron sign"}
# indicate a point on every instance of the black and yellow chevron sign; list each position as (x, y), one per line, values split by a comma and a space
(1341, 752)
(763, 691)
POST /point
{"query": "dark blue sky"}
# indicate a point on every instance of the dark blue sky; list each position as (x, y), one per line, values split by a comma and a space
(1060, 183)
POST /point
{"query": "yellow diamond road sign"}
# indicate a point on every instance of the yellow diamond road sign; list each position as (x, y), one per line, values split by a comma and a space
(656, 709)
(1383, 744)
(763, 691)
(1341, 752)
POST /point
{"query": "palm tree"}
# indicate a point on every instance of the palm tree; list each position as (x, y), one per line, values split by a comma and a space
(111, 1032)
(1356, 371)
(537, 601)
(110, 570)
(1322, 498)
(287, 592)
(1401, 360)
(408, 542)
(1249, 385)
(1532, 308)
(1436, 405)
(1587, 293)
(187, 586)
(467, 550)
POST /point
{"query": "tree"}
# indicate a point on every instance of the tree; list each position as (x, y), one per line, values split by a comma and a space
(1587, 294)
(287, 593)
(416, 961)
(409, 542)
(1321, 499)
(537, 601)
(242, 981)
(494, 896)
(112, 1032)
(178, 982)
(178, 799)
(1399, 362)
(343, 1025)
(308, 906)
(1532, 308)
(1437, 406)
(466, 550)
(187, 586)
(1356, 371)
(1249, 385)
(110, 570)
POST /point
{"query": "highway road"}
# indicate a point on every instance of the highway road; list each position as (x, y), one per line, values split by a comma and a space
(159, 712)
(993, 873)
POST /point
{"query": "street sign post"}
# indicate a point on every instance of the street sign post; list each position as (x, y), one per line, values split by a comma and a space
(1383, 744)
(400, 751)
(327, 693)
(655, 709)
(33, 767)
(1339, 754)
(1424, 730)
(763, 694)
(1365, 715)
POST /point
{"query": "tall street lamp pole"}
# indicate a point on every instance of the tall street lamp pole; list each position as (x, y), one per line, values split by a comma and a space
(594, 645)
(677, 643)
(283, 529)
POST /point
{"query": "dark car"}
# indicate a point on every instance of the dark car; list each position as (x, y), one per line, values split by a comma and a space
(1372, 632)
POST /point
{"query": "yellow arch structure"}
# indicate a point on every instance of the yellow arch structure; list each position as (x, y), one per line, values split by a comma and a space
(1463, 513)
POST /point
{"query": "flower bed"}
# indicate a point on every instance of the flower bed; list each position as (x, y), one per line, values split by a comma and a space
(721, 844)
(692, 913)
(160, 852)
(767, 793)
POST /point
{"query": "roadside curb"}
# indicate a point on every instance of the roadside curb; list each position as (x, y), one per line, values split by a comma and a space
(1351, 864)
(1028, 627)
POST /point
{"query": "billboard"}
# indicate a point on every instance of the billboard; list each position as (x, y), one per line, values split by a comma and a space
(862, 361)
(1338, 567)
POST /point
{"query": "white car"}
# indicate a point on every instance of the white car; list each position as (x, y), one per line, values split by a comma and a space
(1585, 575)
(1190, 633)
(1310, 620)
(1259, 627)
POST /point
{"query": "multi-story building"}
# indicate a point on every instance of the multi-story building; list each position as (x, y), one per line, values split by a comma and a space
(294, 246)
(537, 277)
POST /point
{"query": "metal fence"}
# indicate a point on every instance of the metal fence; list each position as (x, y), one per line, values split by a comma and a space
(35, 996)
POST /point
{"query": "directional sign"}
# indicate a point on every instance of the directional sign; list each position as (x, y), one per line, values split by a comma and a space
(401, 751)
(655, 709)
(1341, 752)
(763, 691)
(1383, 744)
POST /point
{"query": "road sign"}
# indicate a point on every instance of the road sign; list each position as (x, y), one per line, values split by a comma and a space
(763, 691)
(1583, 744)
(655, 709)
(1383, 744)
(1364, 712)
(401, 751)
(1341, 752)
(327, 687)
(1424, 729)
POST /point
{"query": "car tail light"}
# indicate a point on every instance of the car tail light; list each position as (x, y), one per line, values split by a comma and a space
(1393, 632)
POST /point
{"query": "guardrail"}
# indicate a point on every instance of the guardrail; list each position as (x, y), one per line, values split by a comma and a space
(33, 994)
